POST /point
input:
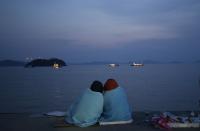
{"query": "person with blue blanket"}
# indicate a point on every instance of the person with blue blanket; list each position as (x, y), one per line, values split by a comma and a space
(116, 109)
(87, 110)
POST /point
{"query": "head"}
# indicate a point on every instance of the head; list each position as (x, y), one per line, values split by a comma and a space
(97, 86)
(110, 85)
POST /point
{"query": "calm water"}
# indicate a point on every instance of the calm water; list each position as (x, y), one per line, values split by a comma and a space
(152, 87)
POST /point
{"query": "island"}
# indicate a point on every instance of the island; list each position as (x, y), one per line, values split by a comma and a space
(53, 62)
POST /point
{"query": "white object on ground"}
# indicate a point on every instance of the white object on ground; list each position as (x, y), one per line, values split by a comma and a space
(184, 125)
(56, 113)
(115, 122)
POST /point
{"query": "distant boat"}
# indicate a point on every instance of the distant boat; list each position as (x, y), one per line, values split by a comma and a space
(56, 66)
(113, 65)
(137, 64)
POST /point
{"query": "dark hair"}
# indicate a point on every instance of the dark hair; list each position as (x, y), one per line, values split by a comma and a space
(97, 86)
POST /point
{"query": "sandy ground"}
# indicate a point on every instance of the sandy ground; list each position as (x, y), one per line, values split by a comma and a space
(27, 122)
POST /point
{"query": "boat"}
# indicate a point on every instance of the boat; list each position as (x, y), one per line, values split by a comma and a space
(56, 66)
(113, 65)
(137, 64)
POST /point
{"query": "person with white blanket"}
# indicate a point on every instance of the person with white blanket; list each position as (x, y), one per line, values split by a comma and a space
(116, 109)
(87, 110)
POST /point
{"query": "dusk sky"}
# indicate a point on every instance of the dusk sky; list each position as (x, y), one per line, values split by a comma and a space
(100, 30)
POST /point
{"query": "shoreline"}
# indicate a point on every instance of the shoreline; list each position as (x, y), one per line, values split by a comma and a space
(39, 122)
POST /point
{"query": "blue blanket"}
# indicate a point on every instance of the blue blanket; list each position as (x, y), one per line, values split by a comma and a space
(86, 110)
(116, 107)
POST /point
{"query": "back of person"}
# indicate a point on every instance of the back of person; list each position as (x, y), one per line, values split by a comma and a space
(116, 108)
(87, 109)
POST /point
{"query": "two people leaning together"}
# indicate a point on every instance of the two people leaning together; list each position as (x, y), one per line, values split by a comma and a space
(100, 105)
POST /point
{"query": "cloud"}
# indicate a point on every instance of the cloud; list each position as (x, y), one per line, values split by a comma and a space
(96, 23)
(97, 27)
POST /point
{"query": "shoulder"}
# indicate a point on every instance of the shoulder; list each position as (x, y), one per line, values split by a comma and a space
(118, 89)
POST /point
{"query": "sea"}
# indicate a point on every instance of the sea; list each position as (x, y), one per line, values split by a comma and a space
(152, 87)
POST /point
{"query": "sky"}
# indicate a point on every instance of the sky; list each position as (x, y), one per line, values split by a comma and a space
(100, 30)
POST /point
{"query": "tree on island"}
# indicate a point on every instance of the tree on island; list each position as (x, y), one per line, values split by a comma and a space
(45, 62)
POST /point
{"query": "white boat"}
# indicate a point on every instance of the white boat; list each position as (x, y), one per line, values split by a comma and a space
(113, 65)
(137, 64)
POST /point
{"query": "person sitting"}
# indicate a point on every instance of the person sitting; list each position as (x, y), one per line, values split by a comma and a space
(87, 110)
(116, 109)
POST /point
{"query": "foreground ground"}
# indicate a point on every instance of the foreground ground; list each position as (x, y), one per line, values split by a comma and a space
(27, 122)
